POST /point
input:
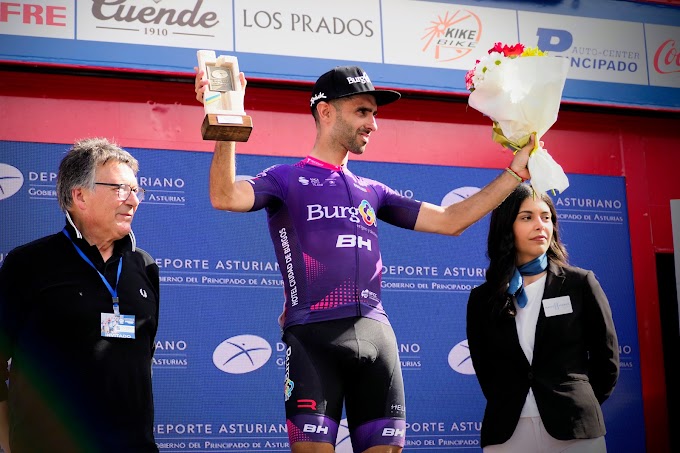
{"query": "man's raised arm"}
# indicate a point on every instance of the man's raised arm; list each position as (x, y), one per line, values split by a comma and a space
(456, 218)
(225, 192)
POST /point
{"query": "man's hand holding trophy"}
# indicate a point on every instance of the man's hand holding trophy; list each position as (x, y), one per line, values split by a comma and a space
(225, 119)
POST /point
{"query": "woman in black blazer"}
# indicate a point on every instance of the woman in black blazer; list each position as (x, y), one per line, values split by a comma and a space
(541, 337)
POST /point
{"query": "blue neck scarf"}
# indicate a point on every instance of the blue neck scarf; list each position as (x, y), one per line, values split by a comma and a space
(516, 286)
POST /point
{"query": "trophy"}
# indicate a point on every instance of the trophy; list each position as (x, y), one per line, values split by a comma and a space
(225, 119)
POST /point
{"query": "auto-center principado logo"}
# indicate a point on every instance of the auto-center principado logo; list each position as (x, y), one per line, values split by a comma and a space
(11, 180)
(242, 354)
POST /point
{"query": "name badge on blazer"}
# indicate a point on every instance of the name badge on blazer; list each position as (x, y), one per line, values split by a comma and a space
(557, 306)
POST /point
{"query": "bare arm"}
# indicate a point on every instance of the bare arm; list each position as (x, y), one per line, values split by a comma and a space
(225, 192)
(4, 426)
(456, 218)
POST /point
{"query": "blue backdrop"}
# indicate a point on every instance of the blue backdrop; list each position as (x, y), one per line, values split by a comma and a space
(221, 294)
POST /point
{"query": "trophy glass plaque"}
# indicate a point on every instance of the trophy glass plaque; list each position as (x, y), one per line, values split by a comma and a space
(225, 119)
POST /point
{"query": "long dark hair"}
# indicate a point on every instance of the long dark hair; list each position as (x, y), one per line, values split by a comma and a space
(501, 245)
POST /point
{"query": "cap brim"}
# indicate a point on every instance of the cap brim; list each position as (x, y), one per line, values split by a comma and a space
(383, 97)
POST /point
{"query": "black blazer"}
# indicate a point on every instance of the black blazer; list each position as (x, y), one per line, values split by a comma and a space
(575, 365)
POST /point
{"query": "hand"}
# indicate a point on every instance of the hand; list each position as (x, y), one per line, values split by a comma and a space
(200, 84)
(520, 162)
(244, 82)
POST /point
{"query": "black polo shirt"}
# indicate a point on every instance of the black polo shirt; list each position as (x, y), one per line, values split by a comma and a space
(70, 389)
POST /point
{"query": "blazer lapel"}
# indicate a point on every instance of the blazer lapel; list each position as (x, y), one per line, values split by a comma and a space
(553, 284)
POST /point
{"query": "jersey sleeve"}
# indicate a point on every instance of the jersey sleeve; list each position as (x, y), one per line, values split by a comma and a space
(269, 188)
(395, 208)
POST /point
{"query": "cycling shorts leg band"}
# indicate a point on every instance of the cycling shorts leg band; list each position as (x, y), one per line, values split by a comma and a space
(385, 431)
(311, 428)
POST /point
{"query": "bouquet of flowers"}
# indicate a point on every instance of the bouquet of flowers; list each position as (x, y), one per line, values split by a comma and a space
(520, 90)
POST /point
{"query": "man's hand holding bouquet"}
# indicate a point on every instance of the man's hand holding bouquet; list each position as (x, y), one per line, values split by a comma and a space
(520, 90)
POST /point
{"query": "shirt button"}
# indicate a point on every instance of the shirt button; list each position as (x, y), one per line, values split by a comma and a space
(530, 376)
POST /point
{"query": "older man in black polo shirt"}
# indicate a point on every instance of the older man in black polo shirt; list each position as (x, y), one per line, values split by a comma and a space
(78, 318)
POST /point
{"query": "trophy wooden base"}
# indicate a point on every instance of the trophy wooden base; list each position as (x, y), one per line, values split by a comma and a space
(226, 128)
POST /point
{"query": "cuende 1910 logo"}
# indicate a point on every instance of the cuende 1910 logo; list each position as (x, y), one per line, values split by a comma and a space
(11, 181)
(242, 354)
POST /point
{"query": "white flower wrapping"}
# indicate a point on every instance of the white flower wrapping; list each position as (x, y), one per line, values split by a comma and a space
(522, 95)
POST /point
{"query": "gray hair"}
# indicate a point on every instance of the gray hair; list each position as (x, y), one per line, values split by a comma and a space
(78, 167)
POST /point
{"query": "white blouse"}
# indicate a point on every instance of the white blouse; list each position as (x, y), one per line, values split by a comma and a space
(525, 321)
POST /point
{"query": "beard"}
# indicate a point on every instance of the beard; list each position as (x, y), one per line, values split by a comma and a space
(349, 137)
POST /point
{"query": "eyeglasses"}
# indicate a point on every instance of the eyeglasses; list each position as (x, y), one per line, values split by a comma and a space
(124, 190)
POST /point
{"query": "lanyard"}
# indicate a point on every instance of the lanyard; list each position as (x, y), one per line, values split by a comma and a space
(114, 290)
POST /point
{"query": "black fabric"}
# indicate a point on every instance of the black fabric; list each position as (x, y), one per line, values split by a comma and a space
(343, 81)
(352, 357)
(70, 389)
(575, 364)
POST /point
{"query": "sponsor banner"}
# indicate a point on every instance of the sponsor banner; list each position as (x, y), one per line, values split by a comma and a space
(39, 18)
(348, 30)
(621, 53)
(598, 49)
(663, 48)
(443, 35)
(220, 365)
(172, 23)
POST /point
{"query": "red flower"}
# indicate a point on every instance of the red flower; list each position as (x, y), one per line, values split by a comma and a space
(468, 79)
(498, 47)
(513, 51)
(508, 51)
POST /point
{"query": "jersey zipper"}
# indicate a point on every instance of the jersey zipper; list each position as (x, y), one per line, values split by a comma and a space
(356, 249)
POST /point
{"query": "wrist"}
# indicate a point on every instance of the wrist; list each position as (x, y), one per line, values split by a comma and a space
(515, 175)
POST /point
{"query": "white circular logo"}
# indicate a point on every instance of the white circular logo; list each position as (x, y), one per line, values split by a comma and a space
(242, 354)
(343, 443)
(458, 194)
(219, 73)
(459, 358)
(11, 181)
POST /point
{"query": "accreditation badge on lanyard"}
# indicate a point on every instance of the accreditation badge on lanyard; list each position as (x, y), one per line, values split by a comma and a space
(113, 325)
(121, 326)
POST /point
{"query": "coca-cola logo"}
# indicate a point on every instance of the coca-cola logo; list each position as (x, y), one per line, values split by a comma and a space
(124, 11)
(667, 58)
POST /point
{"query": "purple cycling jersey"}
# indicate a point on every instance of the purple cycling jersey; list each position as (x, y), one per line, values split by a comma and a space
(323, 221)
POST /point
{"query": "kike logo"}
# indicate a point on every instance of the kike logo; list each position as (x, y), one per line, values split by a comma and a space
(11, 181)
(242, 354)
